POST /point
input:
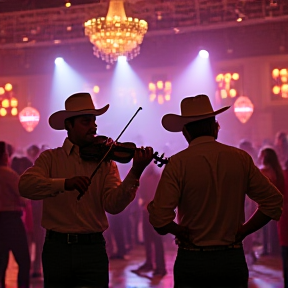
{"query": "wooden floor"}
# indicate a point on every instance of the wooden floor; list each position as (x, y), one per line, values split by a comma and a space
(265, 273)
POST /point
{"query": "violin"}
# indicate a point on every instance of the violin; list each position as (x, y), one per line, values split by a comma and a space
(105, 149)
(116, 151)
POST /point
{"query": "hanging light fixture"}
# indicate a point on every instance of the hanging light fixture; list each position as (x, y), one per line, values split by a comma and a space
(243, 109)
(116, 34)
(29, 118)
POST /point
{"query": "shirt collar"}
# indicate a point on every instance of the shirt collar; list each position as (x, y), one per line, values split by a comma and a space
(201, 139)
(68, 146)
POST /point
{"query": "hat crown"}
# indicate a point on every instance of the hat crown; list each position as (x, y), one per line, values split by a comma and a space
(194, 106)
(78, 102)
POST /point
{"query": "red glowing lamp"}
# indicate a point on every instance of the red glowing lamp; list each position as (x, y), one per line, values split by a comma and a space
(243, 109)
(29, 118)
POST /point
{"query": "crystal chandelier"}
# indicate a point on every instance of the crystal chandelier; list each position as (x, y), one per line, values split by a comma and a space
(116, 35)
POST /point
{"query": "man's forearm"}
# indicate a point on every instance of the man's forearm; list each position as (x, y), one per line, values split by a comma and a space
(257, 221)
(172, 228)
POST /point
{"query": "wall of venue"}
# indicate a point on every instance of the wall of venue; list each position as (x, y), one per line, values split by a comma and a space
(125, 88)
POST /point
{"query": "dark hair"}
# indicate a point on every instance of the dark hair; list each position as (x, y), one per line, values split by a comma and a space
(3, 148)
(10, 149)
(33, 148)
(270, 158)
(205, 127)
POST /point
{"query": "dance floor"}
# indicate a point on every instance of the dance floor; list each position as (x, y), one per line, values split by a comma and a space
(265, 273)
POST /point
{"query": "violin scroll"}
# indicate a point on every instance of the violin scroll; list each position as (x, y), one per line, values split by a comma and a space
(160, 160)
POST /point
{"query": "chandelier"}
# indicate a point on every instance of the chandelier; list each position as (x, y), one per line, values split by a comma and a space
(116, 35)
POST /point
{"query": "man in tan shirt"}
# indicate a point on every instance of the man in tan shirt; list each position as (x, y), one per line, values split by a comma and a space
(74, 253)
(207, 183)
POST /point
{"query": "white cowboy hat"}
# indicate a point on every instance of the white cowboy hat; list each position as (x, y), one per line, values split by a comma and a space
(76, 105)
(192, 109)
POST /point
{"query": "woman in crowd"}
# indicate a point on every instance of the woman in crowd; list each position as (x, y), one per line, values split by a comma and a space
(271, 168)
(282, 229)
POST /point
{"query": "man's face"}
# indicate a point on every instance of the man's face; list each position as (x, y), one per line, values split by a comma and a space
(83, 131)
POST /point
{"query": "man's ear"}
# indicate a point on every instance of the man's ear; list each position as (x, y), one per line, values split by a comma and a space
(67, 125)
(217, 128)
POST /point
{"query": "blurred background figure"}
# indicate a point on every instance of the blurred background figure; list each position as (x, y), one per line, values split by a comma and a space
(12, 231)
(10, 151)
(281, 147)
(120, 235)
(271, 168)
(283, 229)
(115, 235)
(250, 207)
(38, 237)
(153, 244)
(19, 164)
(248, 147)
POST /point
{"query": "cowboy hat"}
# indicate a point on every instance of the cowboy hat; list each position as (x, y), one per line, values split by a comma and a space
(76, 105)
(192, 109)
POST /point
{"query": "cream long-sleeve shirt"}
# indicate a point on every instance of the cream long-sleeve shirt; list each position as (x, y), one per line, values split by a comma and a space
(62, 212)
(207, 183)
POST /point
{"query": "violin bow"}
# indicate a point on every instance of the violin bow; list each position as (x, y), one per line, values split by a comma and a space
(111, 146)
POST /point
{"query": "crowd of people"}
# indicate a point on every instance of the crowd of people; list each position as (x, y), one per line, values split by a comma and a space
(50, 201)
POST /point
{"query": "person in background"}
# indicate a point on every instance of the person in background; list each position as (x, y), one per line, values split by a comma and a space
(282, 229)
(271, 168)
(10, 150)
(206, 184)
(281, 147)
(74, 203)
(19, 164)
(153, 243)
(247, 146)
(12, 232)
(38, 235)
(250, 206)
(116, 235)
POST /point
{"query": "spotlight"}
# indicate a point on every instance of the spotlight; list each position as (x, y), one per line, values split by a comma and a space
(59, 60)
(204, 54)
(122, 59)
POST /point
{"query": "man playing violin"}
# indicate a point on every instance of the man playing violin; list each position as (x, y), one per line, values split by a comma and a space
(74, 253)
(207, 183)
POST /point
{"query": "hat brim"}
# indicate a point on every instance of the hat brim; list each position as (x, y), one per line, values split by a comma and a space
(175, 123)
(57, 119)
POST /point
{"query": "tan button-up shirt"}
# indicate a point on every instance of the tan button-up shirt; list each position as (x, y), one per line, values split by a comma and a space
(62, 212)
(208, 182)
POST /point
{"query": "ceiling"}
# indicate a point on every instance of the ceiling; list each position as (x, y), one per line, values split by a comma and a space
(176, 28)
(44, 23)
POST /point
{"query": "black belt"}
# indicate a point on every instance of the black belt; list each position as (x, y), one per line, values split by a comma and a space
(211, 248)
(73, 238)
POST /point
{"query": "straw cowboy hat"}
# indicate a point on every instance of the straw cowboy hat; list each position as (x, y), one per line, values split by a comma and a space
(192, 109)
(76, 105)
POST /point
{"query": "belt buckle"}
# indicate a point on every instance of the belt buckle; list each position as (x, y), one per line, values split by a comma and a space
(72, 238)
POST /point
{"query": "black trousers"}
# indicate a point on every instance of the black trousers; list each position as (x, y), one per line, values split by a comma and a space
(209, 269)
(75, 265)
(13, 238)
